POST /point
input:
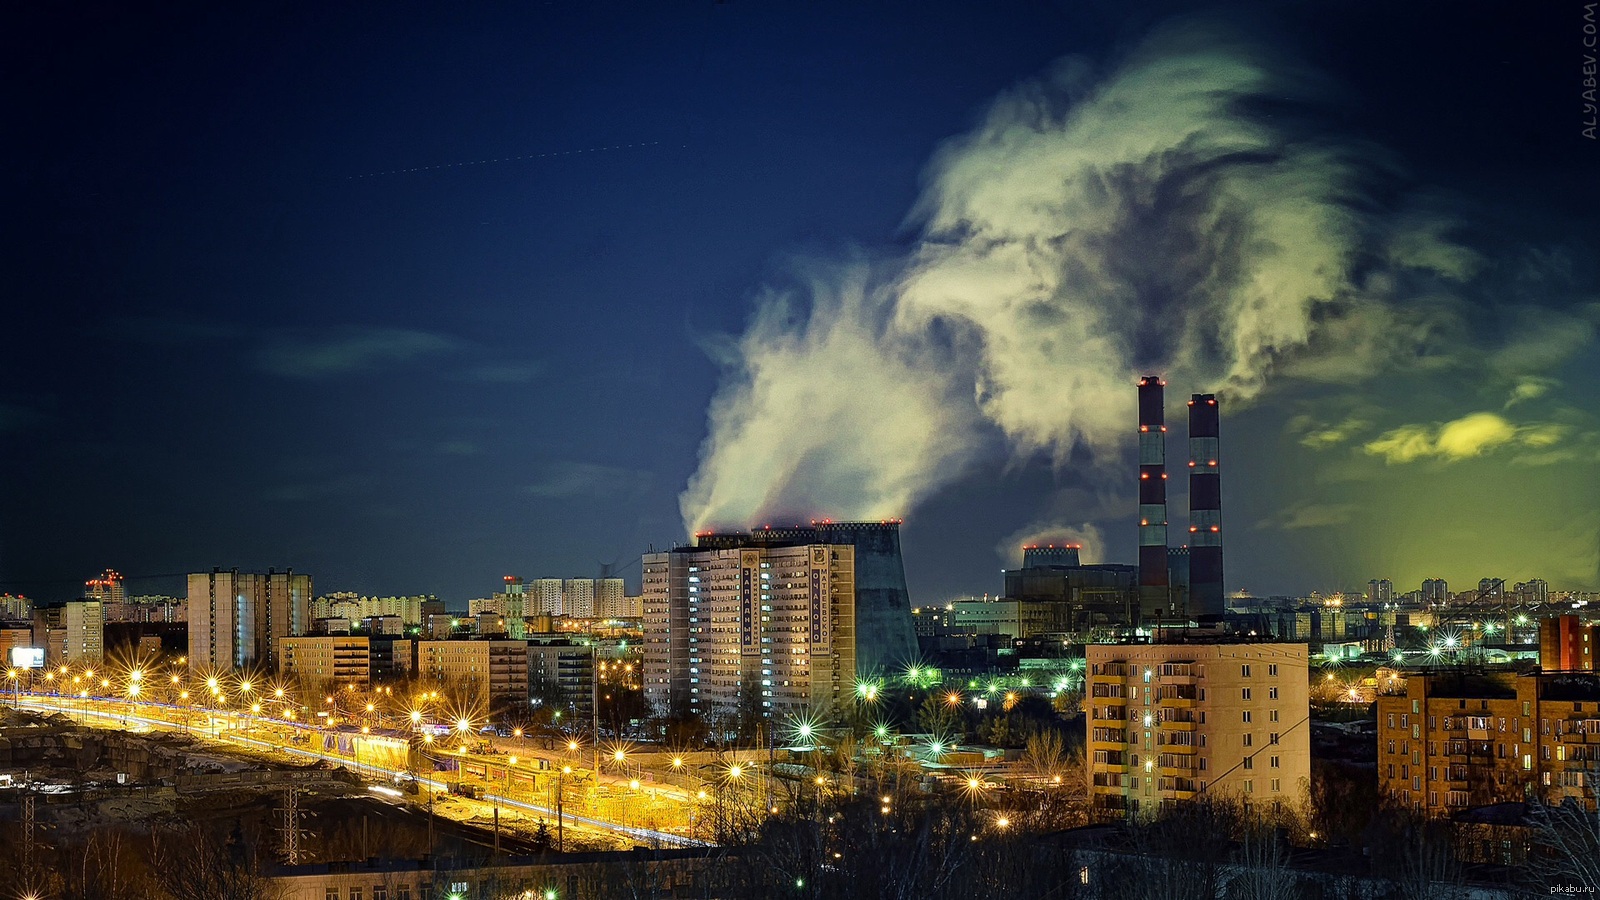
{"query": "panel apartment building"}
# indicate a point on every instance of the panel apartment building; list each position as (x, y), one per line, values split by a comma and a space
(779, 620)
(326, 663)
(70, 632)
(1171, 722)
(239, 619)
(1452, 739)
(492, 671)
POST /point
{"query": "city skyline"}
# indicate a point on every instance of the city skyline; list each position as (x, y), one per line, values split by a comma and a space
(458, 303)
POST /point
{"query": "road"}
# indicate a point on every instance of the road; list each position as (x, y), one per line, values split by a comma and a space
(624, 799)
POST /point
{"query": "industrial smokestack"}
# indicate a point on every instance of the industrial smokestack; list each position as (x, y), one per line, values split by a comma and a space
(1206, 603)
(1155, 594)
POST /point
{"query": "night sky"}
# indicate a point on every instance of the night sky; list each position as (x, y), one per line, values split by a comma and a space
(412, 298)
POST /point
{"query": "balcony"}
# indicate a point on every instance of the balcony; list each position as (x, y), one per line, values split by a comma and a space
(1477, 734)
(1177, 726)
(1110, 671)
(1176, 702)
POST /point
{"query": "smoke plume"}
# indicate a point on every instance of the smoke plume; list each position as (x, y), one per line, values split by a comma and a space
(1172, 214)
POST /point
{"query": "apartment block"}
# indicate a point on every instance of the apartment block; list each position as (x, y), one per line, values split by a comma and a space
(1170, 722)
(489, 670)
(239, 619)
(70, 632)
(777, 621)
(324, 663)
(562, 672)
(1452, 739)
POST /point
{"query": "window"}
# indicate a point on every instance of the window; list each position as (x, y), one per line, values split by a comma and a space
(1249, 763)
(1272, 692)
(1272, 716)
(355, 893)
(1244, 671)
(1246, 716)
(330, 894)
(1246, 694)
(1249, 739)
(379, 892)
(1275, 786)
(1273, 739)
(1273, 762)
(1272, 670)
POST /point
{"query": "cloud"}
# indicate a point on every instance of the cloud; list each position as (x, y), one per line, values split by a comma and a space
(502, 372)
(563, 479)
(1321, 438)
(1530, 387)
(1470, 436)
(1095, 225)
(350, 350)
(1313, 515)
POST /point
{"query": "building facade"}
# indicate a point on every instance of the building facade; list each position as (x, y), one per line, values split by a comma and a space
(1171, 722)
(1453, 739)
(239, 619)
(70, 632)
(774, 622)
(495, 671)
(327, 663)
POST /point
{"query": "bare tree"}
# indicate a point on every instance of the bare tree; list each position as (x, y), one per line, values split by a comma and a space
(196, 863)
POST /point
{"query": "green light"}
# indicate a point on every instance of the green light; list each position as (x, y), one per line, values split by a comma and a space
(550, 894)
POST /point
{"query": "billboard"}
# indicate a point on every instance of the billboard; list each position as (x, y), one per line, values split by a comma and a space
(27, 657)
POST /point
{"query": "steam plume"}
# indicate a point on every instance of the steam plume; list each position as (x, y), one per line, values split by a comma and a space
(1154, 218)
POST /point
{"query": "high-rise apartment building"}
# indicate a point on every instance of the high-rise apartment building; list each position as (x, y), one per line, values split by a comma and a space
(544, 597)
(70, 632)
(108, 588)
(15, 608)
(1380, 590)
(1435, 590)
(1449, 740)
(610, 599)
(239, 619)
(1172, 722)
(577, 598)
(776, 624)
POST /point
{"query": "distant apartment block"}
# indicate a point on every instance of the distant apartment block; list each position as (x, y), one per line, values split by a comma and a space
(238, 619)
(1171, 722)
(354, 607)
(322, 664)
(15, 608)
(577, 597)
(778, 621)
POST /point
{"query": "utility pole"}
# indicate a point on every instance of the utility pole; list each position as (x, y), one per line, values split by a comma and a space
(27, 831)
(291, 826)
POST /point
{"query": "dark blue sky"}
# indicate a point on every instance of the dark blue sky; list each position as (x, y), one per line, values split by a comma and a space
(241, 332)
